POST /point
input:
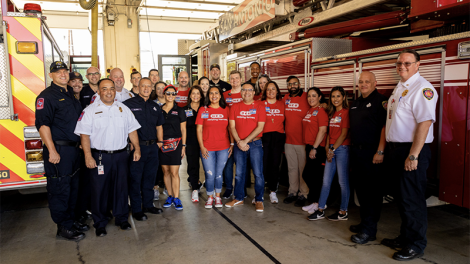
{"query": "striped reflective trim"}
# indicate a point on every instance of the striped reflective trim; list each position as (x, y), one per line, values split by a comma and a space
(14, 163)
(33, 63)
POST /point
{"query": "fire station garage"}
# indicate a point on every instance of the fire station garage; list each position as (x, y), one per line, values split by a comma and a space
(309, 131)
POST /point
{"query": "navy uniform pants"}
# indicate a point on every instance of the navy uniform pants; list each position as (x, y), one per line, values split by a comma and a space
(411, 194)
(112, 183)
(367, 179)
(142, 178)
(62, 184)
(84, 190)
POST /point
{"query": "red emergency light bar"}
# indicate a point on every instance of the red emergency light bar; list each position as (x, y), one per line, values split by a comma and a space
(32, 8)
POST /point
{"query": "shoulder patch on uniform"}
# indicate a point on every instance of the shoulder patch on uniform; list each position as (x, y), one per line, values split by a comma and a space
(385, 104)
(428, 93)
(92, 99)
(81, 116)
(40, 104)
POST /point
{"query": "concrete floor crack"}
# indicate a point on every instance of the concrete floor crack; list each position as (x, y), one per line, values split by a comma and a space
(80, 257)
(428, 261)
(287, 211)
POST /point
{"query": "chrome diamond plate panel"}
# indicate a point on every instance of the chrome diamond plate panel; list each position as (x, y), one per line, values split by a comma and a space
(323, 47)
(4, 85)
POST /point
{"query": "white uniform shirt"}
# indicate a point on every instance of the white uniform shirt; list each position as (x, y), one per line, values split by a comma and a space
(107, 126)
(120, 96)
(411, 102)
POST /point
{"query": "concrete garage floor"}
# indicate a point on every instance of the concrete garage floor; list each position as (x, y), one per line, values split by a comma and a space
(281, 234)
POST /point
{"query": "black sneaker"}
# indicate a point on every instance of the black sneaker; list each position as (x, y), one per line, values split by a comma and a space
(338, 216)
(316, 216)
(300, 201)
(227, 194)
(77, 226)
(71, 235)
(290, 198)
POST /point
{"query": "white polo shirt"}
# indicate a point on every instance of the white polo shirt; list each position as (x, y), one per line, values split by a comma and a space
(120, 96)
(411, 103)
(107, 126)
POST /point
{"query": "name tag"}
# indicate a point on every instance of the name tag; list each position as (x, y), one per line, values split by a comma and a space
(252, 111)
(268, 109)
(287, 101)
(136, 109)
(205, 115)
(228, 100)
(86, 96)
(174, 112)
(315, 113)
(188, 113)
(100, 169)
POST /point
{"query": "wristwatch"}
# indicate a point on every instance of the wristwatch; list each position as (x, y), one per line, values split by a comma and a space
(333, 149)
(379, 152)
(314, 148)
(413, 158)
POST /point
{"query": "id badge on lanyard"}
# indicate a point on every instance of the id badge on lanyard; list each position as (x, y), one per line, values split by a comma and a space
(100, 167)
(268, 109)
(188, 113)
(205, 115)
(287, 101)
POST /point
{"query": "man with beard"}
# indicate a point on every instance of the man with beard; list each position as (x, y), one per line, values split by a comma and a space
(296, 107)
(135, 79)
(93, 75)
(215, 79)
(76, 82)
(183, 89)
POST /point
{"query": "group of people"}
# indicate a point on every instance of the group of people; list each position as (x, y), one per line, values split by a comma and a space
(123, 137)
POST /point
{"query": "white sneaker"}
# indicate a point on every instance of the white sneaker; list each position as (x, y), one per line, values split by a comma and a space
(210, 201)
(309, 207)
(254, 201)
(218, 202)
(195, 196)
(313, 209)
(165, 192)
(273, 198)
(156, 194)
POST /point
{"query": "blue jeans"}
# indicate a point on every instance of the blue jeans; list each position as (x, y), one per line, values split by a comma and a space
(213, 168)
(255, 155)
(228, 172)
(340, 161)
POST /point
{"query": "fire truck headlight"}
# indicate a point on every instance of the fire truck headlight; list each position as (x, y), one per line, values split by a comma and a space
(34, 156)
(35, 168)
(31, 132)
(27, 47)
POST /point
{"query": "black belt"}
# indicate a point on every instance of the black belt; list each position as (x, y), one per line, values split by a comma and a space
(67, 143)
(108, 152)
(394, 145)
(147, 142)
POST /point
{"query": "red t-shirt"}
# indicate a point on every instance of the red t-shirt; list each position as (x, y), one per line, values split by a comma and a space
(231, 98)
(339, 121)
(295, 111)
(245, 120)
(214, 127)
(182, 98)
(313, 120)
(274, 117)
(257, 97)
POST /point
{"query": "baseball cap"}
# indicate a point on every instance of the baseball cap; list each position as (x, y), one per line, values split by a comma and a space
(215, 65)
(57, 65)
(75, 75)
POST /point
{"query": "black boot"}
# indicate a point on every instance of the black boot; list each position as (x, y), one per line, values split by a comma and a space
(67, 234)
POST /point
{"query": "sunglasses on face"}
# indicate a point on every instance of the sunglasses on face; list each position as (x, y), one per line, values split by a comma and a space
(171, 93)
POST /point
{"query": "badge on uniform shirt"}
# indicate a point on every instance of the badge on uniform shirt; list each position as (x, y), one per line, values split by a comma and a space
(100, 169)
(174, 112)
(428, 93)
(268, 109)
(131, 95)
(120, 109)
(287, 101)
(385, 104)
(315, 113)
(338, 119)
(92, 99)
(136, 109)
(405, 92)
(188, 113)
(62, 99)
(81, 115)
(86, 96)
(229, 100)
(368, 105)
(205, 115)
(40, 104)
(252, 111)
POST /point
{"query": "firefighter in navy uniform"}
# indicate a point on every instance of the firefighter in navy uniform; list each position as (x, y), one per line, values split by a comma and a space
(142, 172)
(215, 79)
(57, 111)
(93, 75)
(411, 112)
(367, 127)
(104, 127)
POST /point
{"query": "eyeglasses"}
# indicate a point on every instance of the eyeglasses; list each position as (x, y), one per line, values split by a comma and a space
(93, 73)
(171, 93)
(407, 64)
(292, 84)
(248, 90)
